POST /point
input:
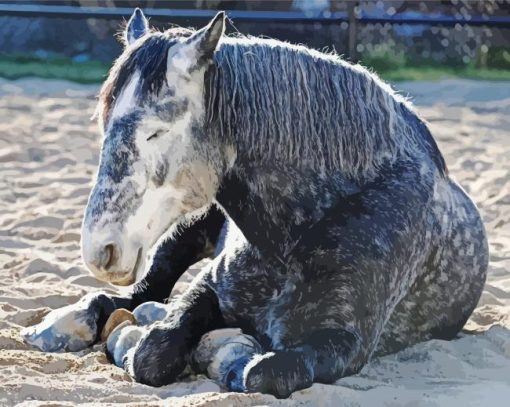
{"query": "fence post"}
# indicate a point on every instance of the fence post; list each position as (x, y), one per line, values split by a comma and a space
(352, 30)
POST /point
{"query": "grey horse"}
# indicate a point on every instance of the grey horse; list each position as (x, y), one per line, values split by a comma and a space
(335, 230)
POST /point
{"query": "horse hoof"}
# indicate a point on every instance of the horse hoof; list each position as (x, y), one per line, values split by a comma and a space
(43, 337)
(124, 329)
(116, 318)
(71, 328)
(218, 350)
(123, 338)
(150, 312)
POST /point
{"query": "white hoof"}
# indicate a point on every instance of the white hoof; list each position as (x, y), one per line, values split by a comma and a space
(121, 340)
(71, 328)
(219, 349)
(150, 312)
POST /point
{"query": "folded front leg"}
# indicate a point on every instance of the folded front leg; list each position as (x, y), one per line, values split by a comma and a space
(164, 349)
(127, 334)
(77, 326)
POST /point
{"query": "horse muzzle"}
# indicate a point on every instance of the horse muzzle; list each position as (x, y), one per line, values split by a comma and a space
(110, 262)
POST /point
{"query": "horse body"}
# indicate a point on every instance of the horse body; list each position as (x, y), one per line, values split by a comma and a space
(338, 233)
(377, 243)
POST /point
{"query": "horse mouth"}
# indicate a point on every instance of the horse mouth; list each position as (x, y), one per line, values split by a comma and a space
(131, 277)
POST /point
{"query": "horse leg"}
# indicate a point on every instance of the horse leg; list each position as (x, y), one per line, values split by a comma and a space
(165, 347)
(448, 292)
(305, 330)
(177, 254)
(79, 325)
(323, 356)
(221, 353)
(440, 301)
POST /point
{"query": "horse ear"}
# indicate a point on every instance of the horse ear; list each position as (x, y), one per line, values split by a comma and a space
(206, 40)
(198, 49)
(136, 27)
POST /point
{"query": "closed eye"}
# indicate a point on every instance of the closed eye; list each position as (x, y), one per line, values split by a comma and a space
(154, 135)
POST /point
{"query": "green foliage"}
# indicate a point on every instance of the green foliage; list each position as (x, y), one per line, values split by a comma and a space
(384, 61)
(20, 66)
(395, 67)
(427, 73)
(498, 57)
(390, 66)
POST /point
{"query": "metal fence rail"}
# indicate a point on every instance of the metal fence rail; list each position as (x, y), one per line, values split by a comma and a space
(63, 11)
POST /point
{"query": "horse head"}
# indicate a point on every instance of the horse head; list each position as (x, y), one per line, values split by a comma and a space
(157, 165)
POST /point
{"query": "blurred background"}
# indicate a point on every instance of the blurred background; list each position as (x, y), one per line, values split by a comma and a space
(401, 40)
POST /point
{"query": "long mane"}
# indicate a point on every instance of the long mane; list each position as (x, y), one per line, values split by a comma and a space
(278, 101)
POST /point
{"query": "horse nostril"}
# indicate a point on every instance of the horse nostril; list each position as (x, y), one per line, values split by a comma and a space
(108, 256)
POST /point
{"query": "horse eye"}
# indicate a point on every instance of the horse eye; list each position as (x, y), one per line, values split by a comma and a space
(154, 135)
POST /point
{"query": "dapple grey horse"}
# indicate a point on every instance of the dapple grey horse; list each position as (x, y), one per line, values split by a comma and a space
(336, 231)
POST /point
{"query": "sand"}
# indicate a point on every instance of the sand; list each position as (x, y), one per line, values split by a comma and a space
(48, 155)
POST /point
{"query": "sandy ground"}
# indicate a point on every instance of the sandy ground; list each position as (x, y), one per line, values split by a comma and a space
(48, 155)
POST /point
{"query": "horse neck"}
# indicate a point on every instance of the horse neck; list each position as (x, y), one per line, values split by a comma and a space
(273, 202)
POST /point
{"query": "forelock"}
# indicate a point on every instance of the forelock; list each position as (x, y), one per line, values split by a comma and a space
(148, 57)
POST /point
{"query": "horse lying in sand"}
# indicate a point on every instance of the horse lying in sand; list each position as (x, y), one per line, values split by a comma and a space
(336, 231)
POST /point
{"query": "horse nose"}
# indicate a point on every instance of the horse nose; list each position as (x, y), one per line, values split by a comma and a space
(105, 257)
